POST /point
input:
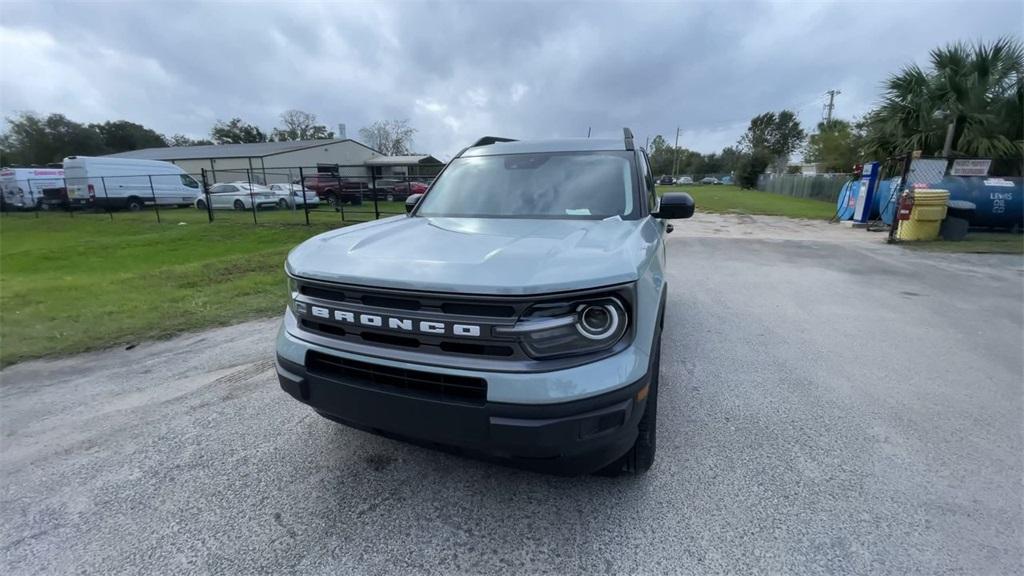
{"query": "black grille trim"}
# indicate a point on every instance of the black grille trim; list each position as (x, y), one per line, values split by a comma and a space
(413, 382)
(323, 293)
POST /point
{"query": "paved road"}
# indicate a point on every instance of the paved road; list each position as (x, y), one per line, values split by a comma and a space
(828, 407)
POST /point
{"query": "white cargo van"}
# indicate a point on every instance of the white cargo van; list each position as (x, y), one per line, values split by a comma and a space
(127, 183)
(23, 187)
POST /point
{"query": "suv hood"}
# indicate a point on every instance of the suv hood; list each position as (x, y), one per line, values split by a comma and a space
(479, 255)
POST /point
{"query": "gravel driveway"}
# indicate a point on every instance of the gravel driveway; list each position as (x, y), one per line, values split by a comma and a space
(830, 405)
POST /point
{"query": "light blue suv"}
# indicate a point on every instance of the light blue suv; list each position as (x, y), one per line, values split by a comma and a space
(514, 313)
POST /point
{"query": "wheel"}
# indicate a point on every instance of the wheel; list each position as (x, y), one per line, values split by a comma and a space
(200, 205)
(239, 205)
(134, 204)
(641, 456)
(282, 204)
(390, 197)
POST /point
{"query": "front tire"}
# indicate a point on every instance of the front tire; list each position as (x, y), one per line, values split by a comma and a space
(200, 205)
(390, 197)
(239, 205)
(640, 457)
(282, 204)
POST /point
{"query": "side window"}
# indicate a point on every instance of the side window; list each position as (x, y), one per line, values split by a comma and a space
(189, 181)
(652, 196)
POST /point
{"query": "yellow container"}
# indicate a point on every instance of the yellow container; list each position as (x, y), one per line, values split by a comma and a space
(925, 217)
(932, 213)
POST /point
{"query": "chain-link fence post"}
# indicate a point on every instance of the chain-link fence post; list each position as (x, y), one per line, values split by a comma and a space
(302, 186)
(373, 190)
(252, 199)
(106, 198)
(206, 193)
(152, 192)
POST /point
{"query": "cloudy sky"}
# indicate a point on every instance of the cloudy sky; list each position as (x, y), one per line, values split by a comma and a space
(461, 70)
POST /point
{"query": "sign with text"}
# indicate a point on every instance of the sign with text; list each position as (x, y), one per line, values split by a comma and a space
(970, 167)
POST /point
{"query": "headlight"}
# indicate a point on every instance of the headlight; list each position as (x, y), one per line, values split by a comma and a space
(570, 328)
(293, 292)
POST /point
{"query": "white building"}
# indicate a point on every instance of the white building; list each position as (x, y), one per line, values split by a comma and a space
(266, 162)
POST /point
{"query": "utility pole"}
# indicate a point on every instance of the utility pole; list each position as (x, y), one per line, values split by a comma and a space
(675, 155)
(831, 105)
(588, 131)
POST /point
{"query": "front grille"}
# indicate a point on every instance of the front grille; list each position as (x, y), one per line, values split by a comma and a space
(413, 382)
(480, 311)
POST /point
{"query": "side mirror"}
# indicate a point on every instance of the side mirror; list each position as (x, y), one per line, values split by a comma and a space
(675, 205)
(412, 201)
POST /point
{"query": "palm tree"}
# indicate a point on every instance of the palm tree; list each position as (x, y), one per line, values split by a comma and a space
(974, 91)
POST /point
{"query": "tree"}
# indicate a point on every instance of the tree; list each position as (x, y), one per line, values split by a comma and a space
(662, 156)
(235, 131)
(778, 135)
(977, 89)
(182, 140)
(33, 140)
(299, 125)
(389, 137)
(122, 135)
(837, 145)
(729, 157)
(750, 166)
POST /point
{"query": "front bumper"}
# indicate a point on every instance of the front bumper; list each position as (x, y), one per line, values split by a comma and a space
(574, 437)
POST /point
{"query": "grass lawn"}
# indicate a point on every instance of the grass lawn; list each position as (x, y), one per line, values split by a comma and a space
(733, 199)
(74, 284)
(976, 243)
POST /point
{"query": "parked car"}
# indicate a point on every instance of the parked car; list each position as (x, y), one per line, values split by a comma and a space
(684, 180)
(710, 180)
(111, 182)
(401, 190)
(666, 180)
(22, 188)
(336, 190)
(237, 196)
(293, 195)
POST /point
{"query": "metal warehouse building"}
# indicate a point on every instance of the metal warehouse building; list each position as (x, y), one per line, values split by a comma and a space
(269, 162)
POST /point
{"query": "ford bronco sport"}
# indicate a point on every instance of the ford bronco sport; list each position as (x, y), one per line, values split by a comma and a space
(515, 312)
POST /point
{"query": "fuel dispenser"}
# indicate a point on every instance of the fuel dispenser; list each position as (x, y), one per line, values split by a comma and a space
(868, 186)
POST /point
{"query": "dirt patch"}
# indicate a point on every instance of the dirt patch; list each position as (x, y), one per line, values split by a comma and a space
(749, 227)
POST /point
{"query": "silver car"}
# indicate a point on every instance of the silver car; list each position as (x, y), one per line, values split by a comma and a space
(515, 311)
(294, 195)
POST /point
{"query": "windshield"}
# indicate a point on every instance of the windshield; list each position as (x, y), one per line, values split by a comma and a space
(588, 185)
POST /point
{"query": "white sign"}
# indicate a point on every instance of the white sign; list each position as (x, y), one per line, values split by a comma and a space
(965, 167)
(998, 182)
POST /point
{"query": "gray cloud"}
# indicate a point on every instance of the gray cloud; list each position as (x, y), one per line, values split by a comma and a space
(458, 71)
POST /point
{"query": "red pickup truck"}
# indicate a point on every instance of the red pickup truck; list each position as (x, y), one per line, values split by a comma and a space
(336, 190)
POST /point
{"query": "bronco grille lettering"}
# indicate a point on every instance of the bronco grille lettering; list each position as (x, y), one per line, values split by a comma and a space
(397, 323)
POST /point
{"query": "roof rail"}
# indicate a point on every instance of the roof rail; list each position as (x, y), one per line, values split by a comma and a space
(629, 138)
(488, 140)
